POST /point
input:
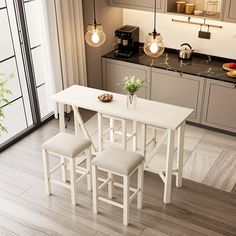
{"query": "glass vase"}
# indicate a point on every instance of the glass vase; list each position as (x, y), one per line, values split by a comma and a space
(131, 100)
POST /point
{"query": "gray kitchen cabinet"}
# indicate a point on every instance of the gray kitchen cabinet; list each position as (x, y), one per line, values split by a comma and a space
(230, 11)
(115, 71)
(145, 5)
(219, 105)
(178, 89)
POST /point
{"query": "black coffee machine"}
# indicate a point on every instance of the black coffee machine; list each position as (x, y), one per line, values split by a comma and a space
(127, 40)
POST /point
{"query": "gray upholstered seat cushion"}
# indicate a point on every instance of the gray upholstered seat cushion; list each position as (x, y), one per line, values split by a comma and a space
(118, 160)
(67, 145)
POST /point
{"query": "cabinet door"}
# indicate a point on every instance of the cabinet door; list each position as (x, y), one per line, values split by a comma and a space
(178, 89)
(115, 71)
(230, 11)
(145, 5)
(219, 105)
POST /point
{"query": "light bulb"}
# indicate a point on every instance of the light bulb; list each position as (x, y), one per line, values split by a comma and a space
(95, 37)
(154, 47)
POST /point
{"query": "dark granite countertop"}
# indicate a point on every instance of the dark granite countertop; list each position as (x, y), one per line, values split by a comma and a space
(200, 65)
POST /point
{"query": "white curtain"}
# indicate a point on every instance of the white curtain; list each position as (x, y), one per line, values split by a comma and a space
(63, 21)
(71, 41)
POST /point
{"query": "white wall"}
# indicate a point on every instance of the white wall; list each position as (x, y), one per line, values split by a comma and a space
(222, 42)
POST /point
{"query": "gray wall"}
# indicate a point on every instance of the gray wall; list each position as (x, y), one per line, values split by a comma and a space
(111, 18)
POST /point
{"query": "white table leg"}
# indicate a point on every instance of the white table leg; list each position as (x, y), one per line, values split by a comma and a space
(169, 166)
(111, 130)
(77, 126)
(61, 117)
(180, 155)
(124, 134)
(144, 138)
(62, 130)
(100, 142)
(134, 136)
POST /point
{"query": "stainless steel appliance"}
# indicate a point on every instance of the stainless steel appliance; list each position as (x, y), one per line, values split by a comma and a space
(127, 40)
(186, 52)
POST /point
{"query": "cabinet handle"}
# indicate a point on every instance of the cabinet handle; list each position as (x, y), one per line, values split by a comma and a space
(234, 85)
(180, 74)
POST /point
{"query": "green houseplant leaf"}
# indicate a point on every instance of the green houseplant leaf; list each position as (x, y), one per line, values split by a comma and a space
(4, 93)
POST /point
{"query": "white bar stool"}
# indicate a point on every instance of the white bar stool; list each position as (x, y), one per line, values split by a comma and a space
(122, 163)
(70, 147)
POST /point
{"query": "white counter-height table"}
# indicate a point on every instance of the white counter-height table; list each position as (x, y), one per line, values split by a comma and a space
(169, 117)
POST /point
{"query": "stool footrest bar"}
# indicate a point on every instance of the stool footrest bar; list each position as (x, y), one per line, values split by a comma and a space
(111, 202)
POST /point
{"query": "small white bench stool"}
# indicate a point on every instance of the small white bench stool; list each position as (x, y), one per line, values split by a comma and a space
(122, 163)
(70, 148)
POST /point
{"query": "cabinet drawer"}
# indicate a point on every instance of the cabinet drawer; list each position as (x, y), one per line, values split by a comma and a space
(220, 105)
(178, 89)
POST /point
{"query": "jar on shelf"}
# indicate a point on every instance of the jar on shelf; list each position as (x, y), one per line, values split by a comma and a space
(211, 8)
(180, 6)
(199, 5)
(189, 8)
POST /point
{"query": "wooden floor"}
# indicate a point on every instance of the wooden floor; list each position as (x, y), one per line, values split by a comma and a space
(196, 209)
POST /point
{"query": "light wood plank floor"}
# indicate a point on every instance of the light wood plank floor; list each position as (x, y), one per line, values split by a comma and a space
(197, 209)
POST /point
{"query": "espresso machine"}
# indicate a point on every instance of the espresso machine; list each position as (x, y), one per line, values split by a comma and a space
(127, 41)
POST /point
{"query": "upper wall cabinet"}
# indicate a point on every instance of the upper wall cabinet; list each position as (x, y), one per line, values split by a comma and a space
(145, 5)
(230, 11)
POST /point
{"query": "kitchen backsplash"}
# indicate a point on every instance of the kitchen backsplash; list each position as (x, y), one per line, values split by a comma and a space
(222, 42)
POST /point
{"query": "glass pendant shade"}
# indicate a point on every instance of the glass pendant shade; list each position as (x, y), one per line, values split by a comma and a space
(95, 35)
(154, 46)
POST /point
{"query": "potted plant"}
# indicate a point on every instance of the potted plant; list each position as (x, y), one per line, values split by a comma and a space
(4, 92)
(132, 85)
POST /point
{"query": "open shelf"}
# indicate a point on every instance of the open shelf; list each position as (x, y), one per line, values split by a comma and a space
(199, 5)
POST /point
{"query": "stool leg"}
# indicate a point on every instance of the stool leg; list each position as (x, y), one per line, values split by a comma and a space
(135, 136)
(88, 166)
(126, 201)
(64, 169)
(46, 172)
(95, 189)
(110, 185)
(73, 184)
(140, 187)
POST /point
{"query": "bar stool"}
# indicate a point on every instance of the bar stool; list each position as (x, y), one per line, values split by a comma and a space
(122, 163)
(70, 148)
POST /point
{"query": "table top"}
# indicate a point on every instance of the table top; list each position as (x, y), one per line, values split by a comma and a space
(147, 111)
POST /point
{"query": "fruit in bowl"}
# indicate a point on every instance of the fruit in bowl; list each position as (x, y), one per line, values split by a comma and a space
(232, 65)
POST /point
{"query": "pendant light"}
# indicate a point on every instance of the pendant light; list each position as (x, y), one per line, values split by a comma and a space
(95, 36)
(154, 46)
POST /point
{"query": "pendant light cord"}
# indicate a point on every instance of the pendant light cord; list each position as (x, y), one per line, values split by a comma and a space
(155, 13)
(94, 13)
